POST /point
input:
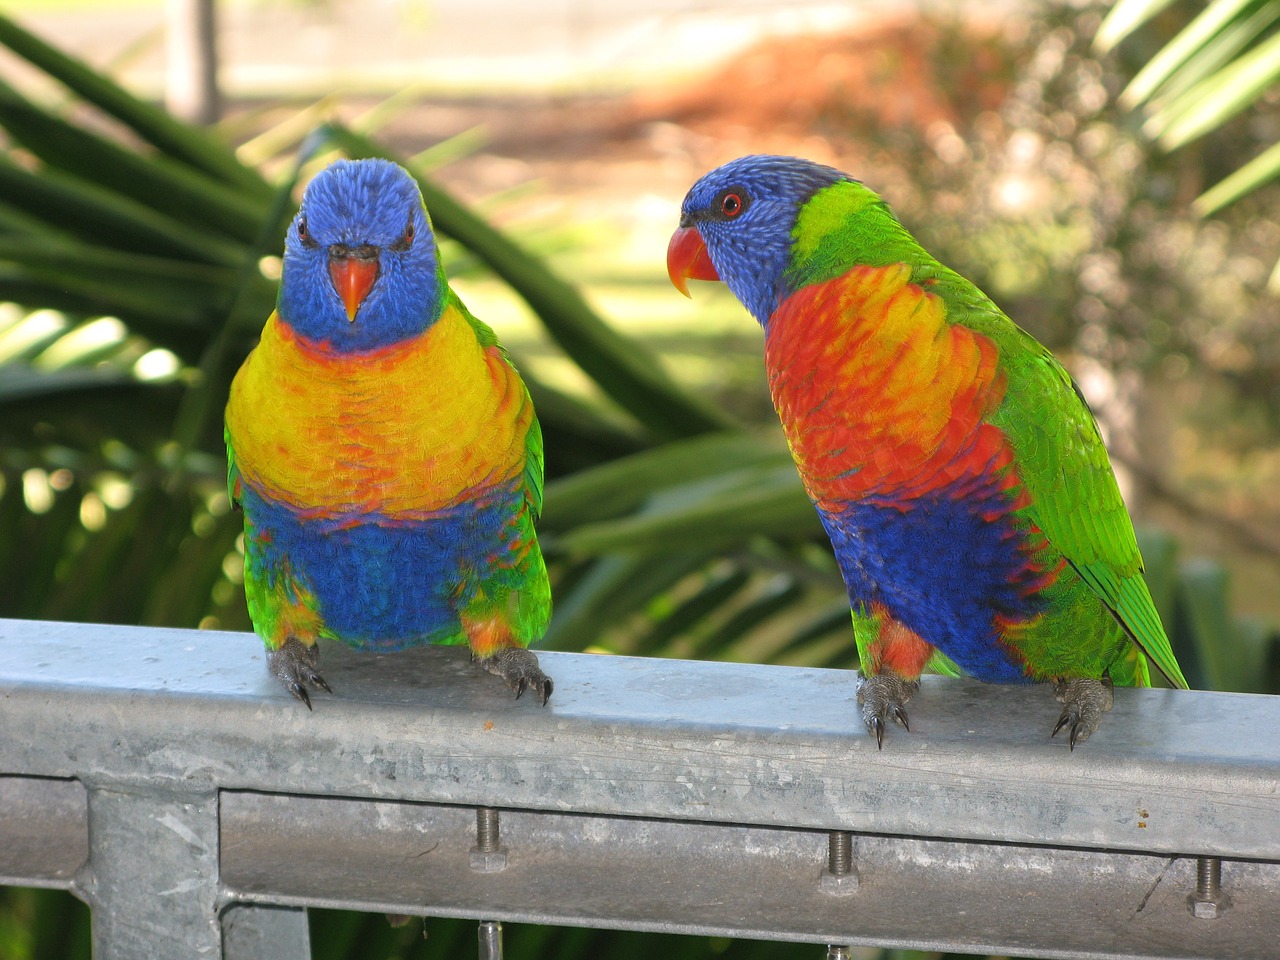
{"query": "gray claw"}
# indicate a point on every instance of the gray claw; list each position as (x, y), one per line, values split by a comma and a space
(1086, 700)
(294, 665)
(900, 717)
(884, 696)
(876, 726)
(519, 667)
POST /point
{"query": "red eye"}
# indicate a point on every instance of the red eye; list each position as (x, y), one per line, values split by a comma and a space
(731, 205)
(406, 238)
(304, 235)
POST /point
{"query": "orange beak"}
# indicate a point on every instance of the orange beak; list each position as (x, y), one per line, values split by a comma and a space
(353, 278)
(687, 259)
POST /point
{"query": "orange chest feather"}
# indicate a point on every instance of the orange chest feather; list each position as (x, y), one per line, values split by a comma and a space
(405, 431)
(877, 392)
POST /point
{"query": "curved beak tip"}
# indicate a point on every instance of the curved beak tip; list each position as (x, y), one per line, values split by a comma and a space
(687, 259)
(352, 278)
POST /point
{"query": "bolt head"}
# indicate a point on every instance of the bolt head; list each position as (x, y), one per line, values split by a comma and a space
(492, 862)
(835, 886)
(1204, 909)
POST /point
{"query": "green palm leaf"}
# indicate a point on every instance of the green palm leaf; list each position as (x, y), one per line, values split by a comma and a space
(1223, 62)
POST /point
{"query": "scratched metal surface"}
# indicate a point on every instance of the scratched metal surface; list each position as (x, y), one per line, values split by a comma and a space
(1169, 771)
(649, 794)
(686, 877)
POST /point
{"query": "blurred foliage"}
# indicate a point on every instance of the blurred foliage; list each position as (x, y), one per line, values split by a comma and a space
(1055, 205)
(140, 256)
(1224, 61)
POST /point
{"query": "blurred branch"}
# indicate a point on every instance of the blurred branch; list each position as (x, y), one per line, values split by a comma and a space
(191, 53)
(1243, 534)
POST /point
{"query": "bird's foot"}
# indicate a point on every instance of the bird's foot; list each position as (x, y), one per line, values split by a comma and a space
(1086, 700)
(883, 697)
(519, 667)
(294, 664)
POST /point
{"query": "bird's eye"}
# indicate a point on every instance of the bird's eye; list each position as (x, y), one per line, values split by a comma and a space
(406, 238)
(731, 204)
(305, 235)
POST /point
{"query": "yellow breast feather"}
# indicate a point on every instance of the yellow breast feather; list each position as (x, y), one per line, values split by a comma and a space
(405, 431)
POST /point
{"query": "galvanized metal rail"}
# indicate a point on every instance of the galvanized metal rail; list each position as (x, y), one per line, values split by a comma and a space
(163, 777)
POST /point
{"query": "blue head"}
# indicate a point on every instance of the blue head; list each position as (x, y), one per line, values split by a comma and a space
(736, 225)
(361, 269)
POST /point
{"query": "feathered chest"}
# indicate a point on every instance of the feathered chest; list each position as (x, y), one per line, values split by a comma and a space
(405, 431)
(878, 394)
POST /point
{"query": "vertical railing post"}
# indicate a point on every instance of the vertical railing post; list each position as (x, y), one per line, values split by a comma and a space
(152, 877)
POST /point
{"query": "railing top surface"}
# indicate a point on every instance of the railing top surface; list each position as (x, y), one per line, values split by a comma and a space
(1169, 771)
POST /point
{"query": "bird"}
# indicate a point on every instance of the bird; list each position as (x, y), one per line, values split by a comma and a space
(383, 449)
(955, 465)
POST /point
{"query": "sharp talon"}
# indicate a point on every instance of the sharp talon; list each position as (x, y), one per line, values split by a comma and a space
(1084, 701)
(883, 697)
(519, 667)
(900, 717)
(293, 663)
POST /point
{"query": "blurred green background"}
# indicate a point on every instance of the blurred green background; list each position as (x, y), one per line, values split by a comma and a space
(1129, 224)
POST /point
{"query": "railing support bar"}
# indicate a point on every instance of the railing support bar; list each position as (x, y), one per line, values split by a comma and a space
(152, 877)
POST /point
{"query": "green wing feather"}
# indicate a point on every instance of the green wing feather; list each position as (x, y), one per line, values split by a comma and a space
(941, 664)
(530, 589)
(233, 475)
(533, 463)
(1063, 462)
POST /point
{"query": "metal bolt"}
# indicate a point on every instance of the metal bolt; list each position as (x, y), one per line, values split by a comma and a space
(837, 951)
(488, 855)
(1208, 901)
(839, 852)
(840, 876)
(490, 940)
(487, 829)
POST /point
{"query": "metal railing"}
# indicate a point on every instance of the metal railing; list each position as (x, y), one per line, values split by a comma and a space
(167, 780)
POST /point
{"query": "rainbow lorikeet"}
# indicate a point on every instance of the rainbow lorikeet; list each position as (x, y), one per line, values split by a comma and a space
(953, 462)
(383, 448)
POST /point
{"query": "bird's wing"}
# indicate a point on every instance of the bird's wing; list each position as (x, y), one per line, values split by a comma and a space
(233, 474)
(1075, 500)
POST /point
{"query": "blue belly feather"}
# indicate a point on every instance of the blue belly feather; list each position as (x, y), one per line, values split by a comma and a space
(381, 583)
(942, 570)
